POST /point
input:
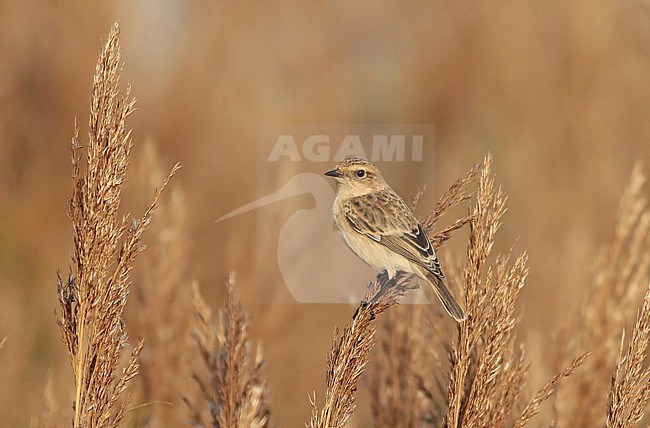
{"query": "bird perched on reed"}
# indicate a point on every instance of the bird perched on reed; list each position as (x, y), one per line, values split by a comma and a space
(381, 230)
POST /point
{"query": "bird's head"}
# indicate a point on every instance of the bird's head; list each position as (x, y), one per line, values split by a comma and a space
(356, 176)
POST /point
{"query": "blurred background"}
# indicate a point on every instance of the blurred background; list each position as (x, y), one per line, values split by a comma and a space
(557, 91)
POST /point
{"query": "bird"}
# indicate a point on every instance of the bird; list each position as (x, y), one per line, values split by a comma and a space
(377, 226)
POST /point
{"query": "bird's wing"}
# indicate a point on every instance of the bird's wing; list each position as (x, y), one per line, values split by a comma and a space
(384, 217)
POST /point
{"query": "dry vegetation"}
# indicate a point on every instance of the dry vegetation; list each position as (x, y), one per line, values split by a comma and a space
(94, 294)
(483, 382)
(621, 279)
(234, 392)
(184, 363)
(631, 381)
(159, 304)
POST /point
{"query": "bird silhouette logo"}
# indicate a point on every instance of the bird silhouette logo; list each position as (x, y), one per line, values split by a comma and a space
(315, 265)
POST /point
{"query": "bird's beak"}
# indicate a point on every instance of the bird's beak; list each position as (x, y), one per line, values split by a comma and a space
(334, 173)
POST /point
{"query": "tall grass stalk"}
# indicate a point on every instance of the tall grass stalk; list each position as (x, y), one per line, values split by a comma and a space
(161, 305)
(234, 392)
(473, 374)
(631, 381)
(620, 280)
(93, 296)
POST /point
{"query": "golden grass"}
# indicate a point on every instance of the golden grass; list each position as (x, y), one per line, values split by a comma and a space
(478, 378)
(622, 276)
(631, 382)
(484, 362)
(94, 294)
(234, 391)
(51, 415)
(160, 305)
(425, 372)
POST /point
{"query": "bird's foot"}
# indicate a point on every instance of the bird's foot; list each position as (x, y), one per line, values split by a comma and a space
(363, 305)
(386, 282)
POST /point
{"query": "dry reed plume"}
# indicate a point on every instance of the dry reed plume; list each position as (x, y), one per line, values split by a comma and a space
(622, 276)
(398, 395)
(396, 392)
(234, 391)
(160, 309)
(423, 376)
(94, 294)
(630, 388)
(51, 415)
(488, 368)
(631, 381)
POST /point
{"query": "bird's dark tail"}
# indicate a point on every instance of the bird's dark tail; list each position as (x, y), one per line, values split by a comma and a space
(445, 296)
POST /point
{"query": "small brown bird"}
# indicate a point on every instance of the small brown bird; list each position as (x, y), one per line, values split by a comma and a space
(381, 230)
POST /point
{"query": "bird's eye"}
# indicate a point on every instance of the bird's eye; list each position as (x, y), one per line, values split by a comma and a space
(361, 173)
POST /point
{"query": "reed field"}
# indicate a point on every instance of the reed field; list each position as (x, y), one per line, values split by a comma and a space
(128, 130)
